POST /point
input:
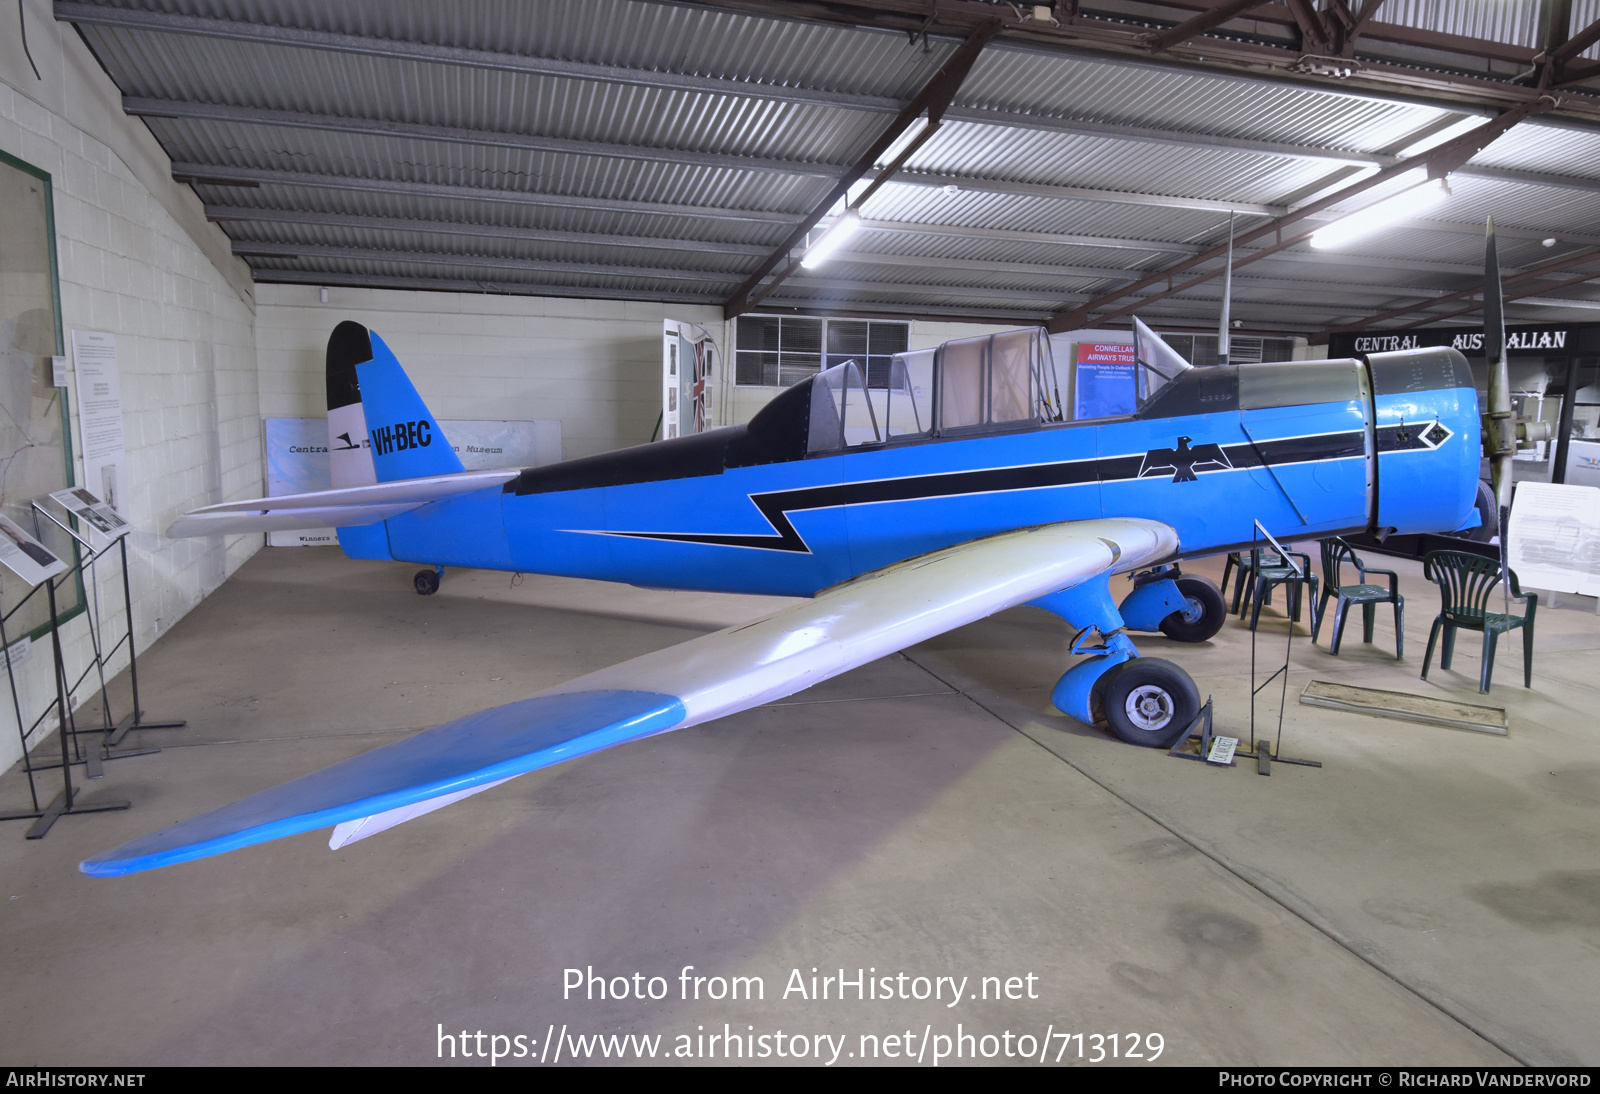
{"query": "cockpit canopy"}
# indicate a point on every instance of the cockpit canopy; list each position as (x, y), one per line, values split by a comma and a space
(1156, 363)
(973, 384)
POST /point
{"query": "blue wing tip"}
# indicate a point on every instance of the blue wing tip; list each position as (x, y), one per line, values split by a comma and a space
(484, 747)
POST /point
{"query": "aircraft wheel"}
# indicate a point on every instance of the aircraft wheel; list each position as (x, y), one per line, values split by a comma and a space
(426, 582)
(1149, 701)
(1488, 515)
(1203, 612)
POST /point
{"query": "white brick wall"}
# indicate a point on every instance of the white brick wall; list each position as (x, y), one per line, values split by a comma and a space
(137, 259)
(593, 364)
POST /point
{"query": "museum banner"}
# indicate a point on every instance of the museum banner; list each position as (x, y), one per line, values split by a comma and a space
(295, 451)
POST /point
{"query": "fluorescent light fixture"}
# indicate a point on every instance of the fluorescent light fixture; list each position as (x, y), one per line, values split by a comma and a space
(843, 227)
(1363, 222)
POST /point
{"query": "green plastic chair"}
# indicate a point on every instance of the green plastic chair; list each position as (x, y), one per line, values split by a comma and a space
(1335, 553)
(1238, 564)
(1466, 584)
(1269, 568)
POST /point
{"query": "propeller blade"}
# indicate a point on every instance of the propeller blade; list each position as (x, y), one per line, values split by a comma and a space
(1494, 312)
(1499, 439)
(1499, 428)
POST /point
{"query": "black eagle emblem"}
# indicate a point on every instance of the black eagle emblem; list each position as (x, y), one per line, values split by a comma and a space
(1183, 460)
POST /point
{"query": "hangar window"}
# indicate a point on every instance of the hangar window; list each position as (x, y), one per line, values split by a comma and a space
(782, 350)
(1200, 350)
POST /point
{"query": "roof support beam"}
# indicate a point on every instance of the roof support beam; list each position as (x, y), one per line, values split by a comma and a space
(847, 309)
(1591, 275)
(979, 265)
(706, 278)
(1196, 25)
(1575, 45)
(1439, 162)
(247, 250)
(1316, 36)
(201, 174)
(376, 127)
(1043, 297)
(1541, 271)
(934, 98)
(1081, 193)
(246, 214)
(957, 231)
(1560, 70)
(270, 276)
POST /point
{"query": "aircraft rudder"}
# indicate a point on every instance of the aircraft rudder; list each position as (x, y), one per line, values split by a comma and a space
(349, 459)
(379, 429)
(403, 435)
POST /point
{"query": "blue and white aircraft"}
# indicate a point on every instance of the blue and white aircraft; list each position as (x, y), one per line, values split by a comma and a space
(951, 487)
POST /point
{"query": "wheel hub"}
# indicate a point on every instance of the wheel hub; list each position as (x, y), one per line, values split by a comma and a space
(1192, 609)
(1149, 707)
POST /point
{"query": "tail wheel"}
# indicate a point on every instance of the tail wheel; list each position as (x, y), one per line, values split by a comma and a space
(426, 582)
(1203, 612)
(1149, 702)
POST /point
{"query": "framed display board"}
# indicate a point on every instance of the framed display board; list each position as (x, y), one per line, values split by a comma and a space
(35, 431)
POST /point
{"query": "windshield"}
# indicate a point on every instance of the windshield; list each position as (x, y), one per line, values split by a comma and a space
(1158, 364)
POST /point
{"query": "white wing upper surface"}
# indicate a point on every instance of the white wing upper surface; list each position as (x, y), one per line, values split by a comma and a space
(694, 682)
(881, 612)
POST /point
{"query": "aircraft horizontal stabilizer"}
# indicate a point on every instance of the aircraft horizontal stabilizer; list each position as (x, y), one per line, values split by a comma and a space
(342, 508)
(694, 682)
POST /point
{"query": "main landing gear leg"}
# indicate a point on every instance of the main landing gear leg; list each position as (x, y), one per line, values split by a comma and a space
(1146, 701)
(427, 581)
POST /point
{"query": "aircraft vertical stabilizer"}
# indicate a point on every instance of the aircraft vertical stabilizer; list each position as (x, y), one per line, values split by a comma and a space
(349, 459)
(379, 429)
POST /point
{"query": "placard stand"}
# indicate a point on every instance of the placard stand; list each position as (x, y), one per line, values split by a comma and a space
(1260, 751)
(65, 802)
(112, 734)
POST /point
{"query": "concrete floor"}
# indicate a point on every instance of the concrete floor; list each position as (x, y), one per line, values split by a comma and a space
(1430, 896)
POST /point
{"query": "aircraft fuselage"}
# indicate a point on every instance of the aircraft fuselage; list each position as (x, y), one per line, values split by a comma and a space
(1309, 449)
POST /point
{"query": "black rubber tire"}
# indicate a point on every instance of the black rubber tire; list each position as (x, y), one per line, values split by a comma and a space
(1488, 515)
(1149, 702)
(426, 582)
(1205, 615)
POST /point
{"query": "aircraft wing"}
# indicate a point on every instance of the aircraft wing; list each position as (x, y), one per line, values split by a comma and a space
(684, 685)
(342, 508)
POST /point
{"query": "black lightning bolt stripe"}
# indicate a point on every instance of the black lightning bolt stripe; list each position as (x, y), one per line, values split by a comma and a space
(777, 506)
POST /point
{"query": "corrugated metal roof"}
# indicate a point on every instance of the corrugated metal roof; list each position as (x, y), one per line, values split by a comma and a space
(702, 80)
(1062, 159)
(1515, 22)
(1585, 13)
(1188, 101)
